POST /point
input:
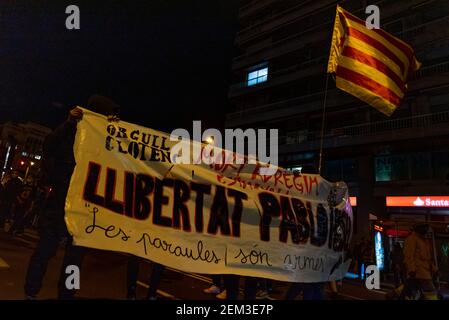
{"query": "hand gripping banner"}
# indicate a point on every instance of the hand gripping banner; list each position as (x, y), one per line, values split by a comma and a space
(127, 195)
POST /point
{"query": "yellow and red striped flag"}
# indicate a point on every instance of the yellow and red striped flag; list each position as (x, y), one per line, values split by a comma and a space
(371, 65)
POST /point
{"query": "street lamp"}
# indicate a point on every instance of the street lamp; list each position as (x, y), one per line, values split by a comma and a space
(209, 140)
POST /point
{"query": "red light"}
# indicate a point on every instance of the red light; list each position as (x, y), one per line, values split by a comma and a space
(378, 228)
(22, 163)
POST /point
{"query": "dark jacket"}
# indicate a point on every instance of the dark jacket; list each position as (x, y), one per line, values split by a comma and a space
(57, 168)
(59, 160)
(11, 190)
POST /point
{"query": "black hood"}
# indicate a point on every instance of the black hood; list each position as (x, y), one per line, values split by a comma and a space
(103, 105)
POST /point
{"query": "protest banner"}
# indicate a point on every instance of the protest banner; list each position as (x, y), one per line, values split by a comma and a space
(127, 195)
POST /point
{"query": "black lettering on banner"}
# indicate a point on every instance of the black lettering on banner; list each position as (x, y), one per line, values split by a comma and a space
(322, 225)
(129, 194)
(253, 257)
(142, 154)
(154, 144)
(199, 253)
(237, 212)
(122, 133)
(180, 209)
(120, 149)
(159, 201)
(154, 154)
(109, 194)
(146, 138)
(109, 232)
(302, 222)
(338, 237)
(270, 208)
(142, 204)
(134, 135)
(201, 190)
(108, 144)
(342, 230)
(331, 228)
(219, 214)
(304, 262)
(288, 223)
(111, 129)
(91, 185)
(133, 149)
(163, 146)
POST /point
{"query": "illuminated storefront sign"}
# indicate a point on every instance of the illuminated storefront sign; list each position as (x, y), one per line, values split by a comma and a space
(419, 201)
(379, 249)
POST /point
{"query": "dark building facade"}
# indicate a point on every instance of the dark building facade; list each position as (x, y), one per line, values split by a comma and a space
(279, 79)
(21, 147)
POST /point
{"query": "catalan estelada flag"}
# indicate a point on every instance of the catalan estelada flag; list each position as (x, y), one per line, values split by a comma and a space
(371, 65)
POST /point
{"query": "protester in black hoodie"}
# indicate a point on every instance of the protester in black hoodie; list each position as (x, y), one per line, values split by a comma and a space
(58, 165)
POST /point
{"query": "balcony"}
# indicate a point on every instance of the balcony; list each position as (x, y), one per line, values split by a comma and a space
(433, 69)
(432, 124)
(289, 15)
(418, 36)
(253, 6)
(284, 46)
(303, 11)
(302, 70)
(428, 76)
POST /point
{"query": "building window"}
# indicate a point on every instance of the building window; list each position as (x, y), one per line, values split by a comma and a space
(420, 166)
(440, 161)
(390, 168)
(257, 76)
(414, 166)
(341, 170)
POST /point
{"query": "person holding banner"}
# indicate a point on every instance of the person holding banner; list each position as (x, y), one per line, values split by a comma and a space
(132, 270)
(419, 263)
(57, 169)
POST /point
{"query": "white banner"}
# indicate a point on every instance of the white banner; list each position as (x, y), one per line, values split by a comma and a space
(126, 195)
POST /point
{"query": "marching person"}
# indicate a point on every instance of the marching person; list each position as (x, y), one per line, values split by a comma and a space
(57, 169)
(132, 271)
(216, 287)
(397, 261)
(419, 262)
(22, 206)
(10, 192)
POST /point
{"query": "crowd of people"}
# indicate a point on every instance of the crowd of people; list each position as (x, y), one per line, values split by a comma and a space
(413, 265)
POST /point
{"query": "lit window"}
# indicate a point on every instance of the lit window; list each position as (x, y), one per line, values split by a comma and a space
(258, 76)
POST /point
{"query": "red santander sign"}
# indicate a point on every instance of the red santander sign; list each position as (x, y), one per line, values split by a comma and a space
(419, 201)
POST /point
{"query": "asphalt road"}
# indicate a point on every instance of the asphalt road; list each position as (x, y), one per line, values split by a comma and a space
(103, 276)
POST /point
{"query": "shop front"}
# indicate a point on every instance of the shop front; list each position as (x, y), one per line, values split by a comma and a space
(405, 212)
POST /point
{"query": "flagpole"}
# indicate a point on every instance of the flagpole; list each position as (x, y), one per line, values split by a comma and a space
(322, 124)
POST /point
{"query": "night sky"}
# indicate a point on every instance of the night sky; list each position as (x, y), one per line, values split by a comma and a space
(166, 62)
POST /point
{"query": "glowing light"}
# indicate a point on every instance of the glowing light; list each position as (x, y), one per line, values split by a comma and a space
(419, 201)
(378, 228)
(379, 250)
(7, 157)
